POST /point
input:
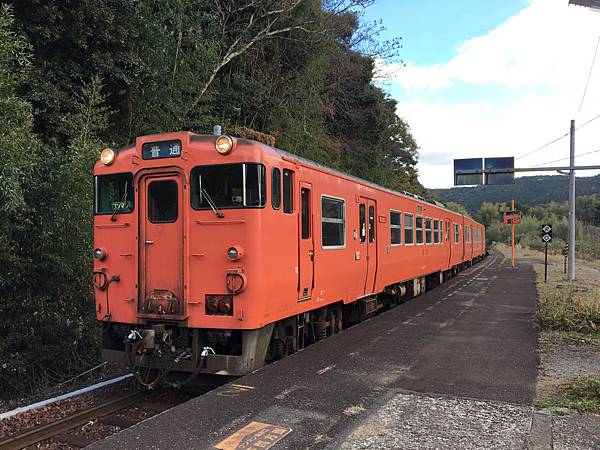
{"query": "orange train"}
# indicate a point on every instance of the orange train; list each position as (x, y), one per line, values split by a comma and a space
(216, 254)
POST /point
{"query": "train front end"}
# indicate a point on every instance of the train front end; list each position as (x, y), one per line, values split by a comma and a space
(176, 255)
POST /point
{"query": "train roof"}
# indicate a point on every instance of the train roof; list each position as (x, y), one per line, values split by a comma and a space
(291, 156)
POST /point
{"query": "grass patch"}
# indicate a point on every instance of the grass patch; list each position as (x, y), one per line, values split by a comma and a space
(569, 306)
(582, 395)
(569, 309)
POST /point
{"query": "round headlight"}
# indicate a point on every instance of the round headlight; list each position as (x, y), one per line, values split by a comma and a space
(233, 253)
(99, 254)
(224, 144)
(107, 156)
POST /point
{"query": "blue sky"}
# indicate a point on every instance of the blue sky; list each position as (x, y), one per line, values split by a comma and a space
(432, 29)
(491, 78)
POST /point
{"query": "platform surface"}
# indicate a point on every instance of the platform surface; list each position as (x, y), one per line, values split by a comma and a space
(453, 368)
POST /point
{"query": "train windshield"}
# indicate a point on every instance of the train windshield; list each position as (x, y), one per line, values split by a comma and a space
(229, 186)
(114, 193)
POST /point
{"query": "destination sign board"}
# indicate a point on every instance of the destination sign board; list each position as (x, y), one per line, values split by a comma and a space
(162, 149)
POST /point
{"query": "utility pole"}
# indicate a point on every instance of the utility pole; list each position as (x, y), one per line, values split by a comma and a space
(571, 260)
(513, 235)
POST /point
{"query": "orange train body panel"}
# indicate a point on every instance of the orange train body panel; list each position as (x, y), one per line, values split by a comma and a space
(164, 257)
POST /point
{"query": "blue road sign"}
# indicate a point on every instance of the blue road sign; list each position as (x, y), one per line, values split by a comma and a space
(500, 163)
(468, 164)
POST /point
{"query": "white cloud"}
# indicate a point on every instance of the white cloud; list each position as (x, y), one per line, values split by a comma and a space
(539, 59)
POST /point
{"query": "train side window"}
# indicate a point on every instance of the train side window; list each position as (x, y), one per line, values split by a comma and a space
(395, 228)
(371, 224)
(428, 237)
(255, 185)
(419, 229)
(409, 238)
(333, 222)
(276, 188)
(456, 233)
(467, 233)
(305, 210)
(436, 231)
(162, 201)
(288, 191)
(362, 222)
(476, 234)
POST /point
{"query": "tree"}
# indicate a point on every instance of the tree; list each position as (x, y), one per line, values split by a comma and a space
(456, 207)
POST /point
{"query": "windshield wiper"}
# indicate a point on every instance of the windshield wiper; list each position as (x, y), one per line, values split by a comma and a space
(209, 200)
(122, 202)
(212, 205)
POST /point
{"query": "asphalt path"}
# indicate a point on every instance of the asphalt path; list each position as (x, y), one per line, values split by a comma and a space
(471, 338)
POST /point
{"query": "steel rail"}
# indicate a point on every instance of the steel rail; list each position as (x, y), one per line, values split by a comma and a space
(33, 436)
(66, 396)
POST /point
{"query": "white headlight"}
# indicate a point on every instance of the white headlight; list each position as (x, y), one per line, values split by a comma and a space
(224, 144)
(107, 156)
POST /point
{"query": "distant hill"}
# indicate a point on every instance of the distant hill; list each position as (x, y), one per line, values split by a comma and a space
(531, 191)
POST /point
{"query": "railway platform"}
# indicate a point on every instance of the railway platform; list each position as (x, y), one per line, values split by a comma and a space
(452, 368)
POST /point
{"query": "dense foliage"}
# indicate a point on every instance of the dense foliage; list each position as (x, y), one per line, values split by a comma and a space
(79, 74)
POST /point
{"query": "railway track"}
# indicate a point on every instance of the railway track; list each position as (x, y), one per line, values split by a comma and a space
(123, 412)
(41, 433)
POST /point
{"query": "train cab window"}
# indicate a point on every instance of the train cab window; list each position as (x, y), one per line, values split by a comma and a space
(305, 210)
(409, 238)
(288, 191)
(467, 233)
(228, 186)
(456, 233)
(162, 201)
(436, 231)
(333, 222)
(371, 224)
(114, 193)
(419, 229)
(395, 228)
(276, 188)
(362, 222)
(428, 237)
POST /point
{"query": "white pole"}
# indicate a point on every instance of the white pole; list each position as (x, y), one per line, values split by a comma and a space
(571, 261)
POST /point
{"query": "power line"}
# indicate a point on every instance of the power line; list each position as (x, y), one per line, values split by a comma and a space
(589, 76)
(562, 159)
(585, 123)
(557, 139)
(543, 146)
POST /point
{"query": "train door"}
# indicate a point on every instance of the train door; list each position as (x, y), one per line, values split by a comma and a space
(161, 245)
(371, 246)
(306, 247)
